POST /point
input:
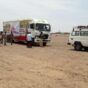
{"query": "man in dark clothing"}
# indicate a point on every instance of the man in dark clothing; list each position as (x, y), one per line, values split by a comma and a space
(5, 38)
(11, 38)
(1, 37)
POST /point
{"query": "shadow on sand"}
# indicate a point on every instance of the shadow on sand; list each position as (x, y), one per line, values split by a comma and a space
(34, 45)
(83, 50)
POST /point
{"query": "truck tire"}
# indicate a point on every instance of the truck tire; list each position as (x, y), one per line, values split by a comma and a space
(44, 43)
(78, 46)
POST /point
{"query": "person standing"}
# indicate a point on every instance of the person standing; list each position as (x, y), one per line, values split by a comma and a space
(1, 37)
(41, 39)
(11, 38)
(5, 38)
(29, 40)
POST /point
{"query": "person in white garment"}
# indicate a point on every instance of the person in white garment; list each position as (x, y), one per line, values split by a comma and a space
(29, 40)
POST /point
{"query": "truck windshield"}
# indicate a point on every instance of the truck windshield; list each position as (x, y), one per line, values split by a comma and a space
(43, 27)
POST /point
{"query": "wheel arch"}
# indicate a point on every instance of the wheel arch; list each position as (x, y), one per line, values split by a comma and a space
(77, 42)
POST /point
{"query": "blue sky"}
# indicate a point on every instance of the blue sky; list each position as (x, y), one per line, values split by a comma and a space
(61, 14)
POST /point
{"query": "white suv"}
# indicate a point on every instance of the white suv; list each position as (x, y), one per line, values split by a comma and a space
(79, 37)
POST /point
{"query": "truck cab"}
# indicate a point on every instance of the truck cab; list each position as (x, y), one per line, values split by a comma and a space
(40, 29)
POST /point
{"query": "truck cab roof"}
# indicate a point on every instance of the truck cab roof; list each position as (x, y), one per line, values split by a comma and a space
(39, 21)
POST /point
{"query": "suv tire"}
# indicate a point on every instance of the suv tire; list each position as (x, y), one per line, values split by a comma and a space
(78, 46)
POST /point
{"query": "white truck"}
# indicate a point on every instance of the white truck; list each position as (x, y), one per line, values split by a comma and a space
(79, 37)
(21, 28)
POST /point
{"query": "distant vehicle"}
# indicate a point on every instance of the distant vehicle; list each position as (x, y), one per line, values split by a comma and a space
(21, 28)
(79, 37)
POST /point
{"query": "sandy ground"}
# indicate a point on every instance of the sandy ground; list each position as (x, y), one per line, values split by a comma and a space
(54, 66)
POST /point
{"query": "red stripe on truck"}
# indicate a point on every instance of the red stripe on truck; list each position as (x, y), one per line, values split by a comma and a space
(21, 38)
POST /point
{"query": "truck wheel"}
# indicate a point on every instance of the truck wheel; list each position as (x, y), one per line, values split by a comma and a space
(44, 43)
(77, 46)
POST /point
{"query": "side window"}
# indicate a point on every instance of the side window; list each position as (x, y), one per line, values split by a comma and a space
(75, 33)
(84, 33)
(32, 26)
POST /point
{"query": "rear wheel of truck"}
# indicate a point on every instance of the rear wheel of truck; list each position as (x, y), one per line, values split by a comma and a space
(44, 43)
(78, 46)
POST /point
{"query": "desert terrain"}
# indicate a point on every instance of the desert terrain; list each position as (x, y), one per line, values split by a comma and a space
(55, 66)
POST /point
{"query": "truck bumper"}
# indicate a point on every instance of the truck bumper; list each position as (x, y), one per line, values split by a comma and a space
(44, 40)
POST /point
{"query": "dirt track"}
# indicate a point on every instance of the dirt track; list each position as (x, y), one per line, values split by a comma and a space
(54, 66)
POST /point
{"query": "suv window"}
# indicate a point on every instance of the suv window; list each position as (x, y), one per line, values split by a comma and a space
(75, 33)
(84, 33)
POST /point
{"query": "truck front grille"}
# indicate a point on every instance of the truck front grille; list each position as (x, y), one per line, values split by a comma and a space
(44, 36)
